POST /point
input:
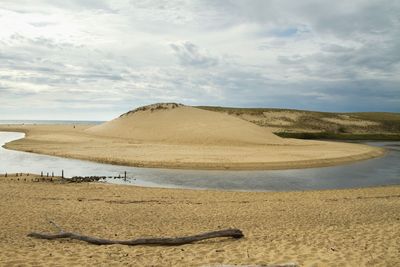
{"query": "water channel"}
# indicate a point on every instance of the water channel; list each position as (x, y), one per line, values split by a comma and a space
(367, 173)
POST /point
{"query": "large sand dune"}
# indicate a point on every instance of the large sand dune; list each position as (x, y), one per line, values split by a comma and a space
(172, 123)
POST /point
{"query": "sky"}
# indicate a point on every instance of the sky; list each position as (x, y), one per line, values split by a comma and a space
(96, 59)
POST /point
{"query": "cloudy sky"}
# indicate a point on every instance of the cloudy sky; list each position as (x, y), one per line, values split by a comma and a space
(95, 59)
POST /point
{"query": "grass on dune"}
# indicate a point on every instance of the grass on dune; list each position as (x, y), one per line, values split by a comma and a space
(321, 125)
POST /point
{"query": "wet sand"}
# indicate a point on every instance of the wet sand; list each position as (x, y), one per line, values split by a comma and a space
(317, 228)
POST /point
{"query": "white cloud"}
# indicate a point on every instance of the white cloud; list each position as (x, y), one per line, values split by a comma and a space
(115, 55)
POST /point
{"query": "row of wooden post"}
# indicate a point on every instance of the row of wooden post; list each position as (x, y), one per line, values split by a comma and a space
(41, 174)
(62, 174)
(52, 174)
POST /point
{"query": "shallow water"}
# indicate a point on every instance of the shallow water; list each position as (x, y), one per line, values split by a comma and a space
(373, 172)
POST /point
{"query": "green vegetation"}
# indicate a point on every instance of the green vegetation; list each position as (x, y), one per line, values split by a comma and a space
(389, 121)
(334, 136)
(321, 125)
(251, 111)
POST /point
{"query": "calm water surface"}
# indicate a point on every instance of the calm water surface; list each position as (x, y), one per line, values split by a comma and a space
(373, 172)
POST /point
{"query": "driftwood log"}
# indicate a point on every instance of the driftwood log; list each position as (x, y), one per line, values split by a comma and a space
(163, 241)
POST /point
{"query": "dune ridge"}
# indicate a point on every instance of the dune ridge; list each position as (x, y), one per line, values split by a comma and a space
(172, 123)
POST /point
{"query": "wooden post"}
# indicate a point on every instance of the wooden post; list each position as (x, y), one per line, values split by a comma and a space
(47, 174)
(6, 175)
(41, 174)
(125, 175)
(52, 174)
(62, 173)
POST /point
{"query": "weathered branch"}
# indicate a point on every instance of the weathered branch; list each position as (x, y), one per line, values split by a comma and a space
(163, 241)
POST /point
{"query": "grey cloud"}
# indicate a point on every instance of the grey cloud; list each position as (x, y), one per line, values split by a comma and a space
(292, 59)
(19, 41)
(340, 17)
(335, 48)
(343, 62)
(40, 59)
(360, 17)
(42, 24)
(190, 55)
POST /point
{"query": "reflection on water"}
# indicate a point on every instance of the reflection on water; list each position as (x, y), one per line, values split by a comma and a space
(373, 172)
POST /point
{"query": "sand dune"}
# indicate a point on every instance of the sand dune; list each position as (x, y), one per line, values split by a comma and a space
(177, 136)
(172, 123)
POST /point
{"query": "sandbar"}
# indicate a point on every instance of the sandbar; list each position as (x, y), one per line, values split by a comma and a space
(75, 142)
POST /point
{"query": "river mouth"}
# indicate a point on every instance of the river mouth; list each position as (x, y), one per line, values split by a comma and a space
(373, 172)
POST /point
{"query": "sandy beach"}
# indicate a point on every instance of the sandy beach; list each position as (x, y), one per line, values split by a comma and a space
(200, 133)
(318, 228)
(186, 138)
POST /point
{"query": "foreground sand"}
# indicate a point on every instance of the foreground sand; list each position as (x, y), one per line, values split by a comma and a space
(322, 228)
(76, 142)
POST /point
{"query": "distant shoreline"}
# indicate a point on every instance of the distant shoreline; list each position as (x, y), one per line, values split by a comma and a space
(48, 122)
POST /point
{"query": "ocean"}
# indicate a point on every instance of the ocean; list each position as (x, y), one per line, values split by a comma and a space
(49, 122)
